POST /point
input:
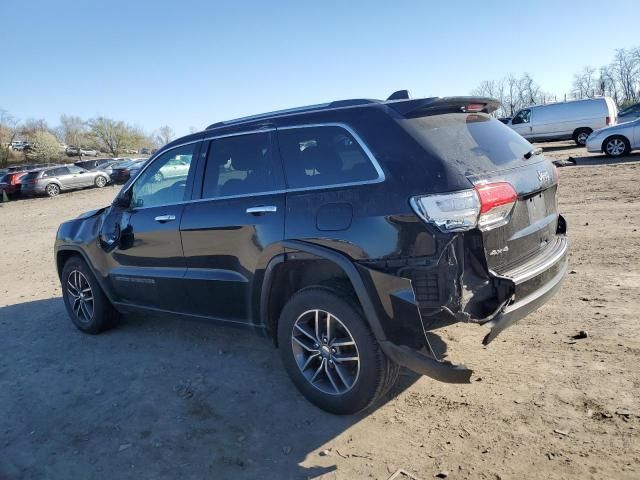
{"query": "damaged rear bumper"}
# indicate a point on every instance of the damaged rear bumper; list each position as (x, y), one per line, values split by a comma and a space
(406, 327)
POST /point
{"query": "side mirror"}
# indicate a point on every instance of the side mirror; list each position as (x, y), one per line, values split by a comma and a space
(123, 200)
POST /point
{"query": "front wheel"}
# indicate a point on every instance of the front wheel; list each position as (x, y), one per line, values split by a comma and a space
(87, 305)
(331, 354)
(616, 146)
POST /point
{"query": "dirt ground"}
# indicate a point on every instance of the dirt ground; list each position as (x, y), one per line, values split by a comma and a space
(167, 398)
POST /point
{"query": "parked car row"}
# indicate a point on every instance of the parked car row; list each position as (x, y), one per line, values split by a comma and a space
(51, 179)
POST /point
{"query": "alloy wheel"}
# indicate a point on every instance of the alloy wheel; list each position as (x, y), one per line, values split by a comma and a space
(101, 182)
(615, 147)
(52, 190)
(81, 296)
(325, 352)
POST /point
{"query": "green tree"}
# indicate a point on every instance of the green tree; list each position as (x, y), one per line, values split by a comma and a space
(114, 135)
(45, 147)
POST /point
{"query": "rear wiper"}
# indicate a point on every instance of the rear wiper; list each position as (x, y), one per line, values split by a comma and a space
(531, 153)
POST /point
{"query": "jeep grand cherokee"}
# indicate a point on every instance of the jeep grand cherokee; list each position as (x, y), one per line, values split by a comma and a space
(346, 232)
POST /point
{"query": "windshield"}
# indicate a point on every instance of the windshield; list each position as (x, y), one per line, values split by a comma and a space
(477, 143)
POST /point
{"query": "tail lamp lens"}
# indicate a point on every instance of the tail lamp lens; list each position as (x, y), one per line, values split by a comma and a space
(486, 206)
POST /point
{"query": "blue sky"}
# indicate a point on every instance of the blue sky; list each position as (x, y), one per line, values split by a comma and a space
(189, 63)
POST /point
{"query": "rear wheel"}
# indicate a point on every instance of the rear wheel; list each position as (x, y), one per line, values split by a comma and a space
(100, 181)
(580, 136)
(52, 190)
(331, 354)
(87, 305)
(616, 146)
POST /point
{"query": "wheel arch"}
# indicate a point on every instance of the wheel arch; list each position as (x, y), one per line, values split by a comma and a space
(284, 276)
(615, 135)
(65, 252)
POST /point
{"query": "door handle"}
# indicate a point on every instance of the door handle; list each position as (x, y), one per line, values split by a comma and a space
(165, 218)
(260, 209)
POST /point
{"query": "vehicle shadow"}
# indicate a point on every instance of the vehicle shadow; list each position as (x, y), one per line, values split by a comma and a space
(604, 160)
(156, 397)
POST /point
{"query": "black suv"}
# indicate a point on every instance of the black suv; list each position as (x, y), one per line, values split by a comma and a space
(349, 233)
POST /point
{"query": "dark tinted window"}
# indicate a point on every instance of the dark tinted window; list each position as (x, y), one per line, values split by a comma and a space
(31, 175)
(475, 143)
(522, 116)
(328, 155)
(75, 169)
(240, 165)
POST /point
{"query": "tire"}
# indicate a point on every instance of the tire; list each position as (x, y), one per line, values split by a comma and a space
(86, 304)
(52, 190)
(580, 136)
(332, 380)
(100, 181)
(616, 146)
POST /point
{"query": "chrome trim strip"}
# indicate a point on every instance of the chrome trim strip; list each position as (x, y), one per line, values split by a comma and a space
(363, 145)
(522, 274)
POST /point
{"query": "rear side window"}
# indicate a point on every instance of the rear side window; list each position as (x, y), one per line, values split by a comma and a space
(323, 155)
(31, 175)
(241, 165)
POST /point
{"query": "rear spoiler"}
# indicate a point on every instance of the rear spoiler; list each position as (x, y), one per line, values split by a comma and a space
(438, 105)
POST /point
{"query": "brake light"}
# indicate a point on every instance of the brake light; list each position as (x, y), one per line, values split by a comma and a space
(473, 107)
(496, 202)
(486, 206)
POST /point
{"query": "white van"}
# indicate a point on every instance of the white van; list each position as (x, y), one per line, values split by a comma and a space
(574, 119)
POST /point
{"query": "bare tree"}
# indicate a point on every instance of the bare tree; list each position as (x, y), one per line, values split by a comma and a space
(585, 83)
(9, 129)
(164, 135)
(73, 130)
(513, 93)
(626, 69)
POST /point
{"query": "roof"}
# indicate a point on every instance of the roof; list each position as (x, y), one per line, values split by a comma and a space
(398, 101)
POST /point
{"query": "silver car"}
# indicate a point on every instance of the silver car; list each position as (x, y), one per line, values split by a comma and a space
(51, 181)
(617, 140)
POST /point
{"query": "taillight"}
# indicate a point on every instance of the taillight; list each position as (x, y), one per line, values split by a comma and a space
(486, 206)
(496, 202)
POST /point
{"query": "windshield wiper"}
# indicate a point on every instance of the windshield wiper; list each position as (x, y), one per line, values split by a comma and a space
(531, 153)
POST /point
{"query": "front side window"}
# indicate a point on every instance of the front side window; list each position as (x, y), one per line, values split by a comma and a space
(241, 165)
(165, 181)
(74, 169)
(522, 116)
(324, 155)
(58, 172)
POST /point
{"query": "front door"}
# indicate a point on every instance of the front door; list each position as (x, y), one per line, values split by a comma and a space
(79, 177)
(235, 227)
(521, 123)
(146, 260)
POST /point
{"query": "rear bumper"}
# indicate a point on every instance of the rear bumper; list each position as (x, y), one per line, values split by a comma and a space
(395, 298)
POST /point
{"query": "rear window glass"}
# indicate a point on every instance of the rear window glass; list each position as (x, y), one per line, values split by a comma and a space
(316, 156)
(476, 143)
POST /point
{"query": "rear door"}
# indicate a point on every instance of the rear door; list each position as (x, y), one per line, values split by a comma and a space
(146, 262)
(65, 178)
(235, 227)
